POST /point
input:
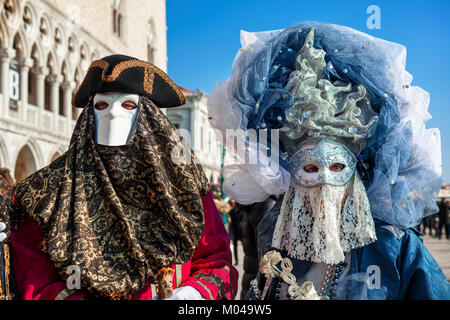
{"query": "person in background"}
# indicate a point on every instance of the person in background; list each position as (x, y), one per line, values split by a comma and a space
(224, 208)
(215, 188)
(444, 219)
(252, 215)
(236, 214)
(427, 224)
(434, 224)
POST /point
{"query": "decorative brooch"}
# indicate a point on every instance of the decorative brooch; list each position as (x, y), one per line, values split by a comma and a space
(268, 267)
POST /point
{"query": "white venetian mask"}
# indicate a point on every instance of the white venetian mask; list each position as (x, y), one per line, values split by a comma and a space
(115, 114)
(322, 162)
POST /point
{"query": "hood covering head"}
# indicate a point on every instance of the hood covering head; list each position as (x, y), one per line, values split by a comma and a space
(118, 213)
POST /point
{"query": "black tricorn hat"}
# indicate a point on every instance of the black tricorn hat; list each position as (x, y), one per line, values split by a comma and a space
(120, 73)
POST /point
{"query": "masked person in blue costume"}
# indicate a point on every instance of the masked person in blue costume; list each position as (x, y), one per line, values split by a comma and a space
(342, 139)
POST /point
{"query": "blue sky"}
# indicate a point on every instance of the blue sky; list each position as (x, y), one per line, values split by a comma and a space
(203, 38)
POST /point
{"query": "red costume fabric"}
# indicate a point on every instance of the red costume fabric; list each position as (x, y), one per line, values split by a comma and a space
(210, 271)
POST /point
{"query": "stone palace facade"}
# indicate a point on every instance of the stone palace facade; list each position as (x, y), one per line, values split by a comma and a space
(46, 47)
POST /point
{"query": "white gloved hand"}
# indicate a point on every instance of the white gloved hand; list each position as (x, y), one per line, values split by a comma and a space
(185, 293)
(2, 234)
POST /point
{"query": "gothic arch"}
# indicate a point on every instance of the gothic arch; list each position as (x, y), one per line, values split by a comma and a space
(51, 64)
(66, 71)
(28, 160)
(4, 35)
(36, 55)
(56, 152)
(37, 153)
(20, 45)
(77, 77)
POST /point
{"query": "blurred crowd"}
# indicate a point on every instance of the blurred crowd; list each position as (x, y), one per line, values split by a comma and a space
(438, 224)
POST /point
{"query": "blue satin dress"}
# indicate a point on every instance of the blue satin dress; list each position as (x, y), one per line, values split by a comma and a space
(407, 269)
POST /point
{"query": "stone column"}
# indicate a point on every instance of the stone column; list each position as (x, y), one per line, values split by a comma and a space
(54, 80)
(25, 65)
(40, 73)
(68, 88)
(5, 58)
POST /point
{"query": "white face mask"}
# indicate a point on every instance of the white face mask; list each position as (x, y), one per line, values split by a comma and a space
(115, 114)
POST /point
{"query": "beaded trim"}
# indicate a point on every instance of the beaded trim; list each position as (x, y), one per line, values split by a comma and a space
(334, 281)
(254, 287)
(326, 279)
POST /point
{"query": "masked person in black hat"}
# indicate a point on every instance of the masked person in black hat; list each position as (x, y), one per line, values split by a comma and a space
(118, 210)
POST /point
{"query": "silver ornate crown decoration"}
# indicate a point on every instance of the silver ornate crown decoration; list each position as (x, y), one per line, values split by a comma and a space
(320, 108)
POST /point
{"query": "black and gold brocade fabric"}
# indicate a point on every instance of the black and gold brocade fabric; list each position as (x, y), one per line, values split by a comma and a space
(119, 213)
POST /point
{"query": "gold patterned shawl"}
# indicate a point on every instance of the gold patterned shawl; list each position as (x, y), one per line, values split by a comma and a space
(118, 213)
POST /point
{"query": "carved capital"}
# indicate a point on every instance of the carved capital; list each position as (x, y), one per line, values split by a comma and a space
(7, 53)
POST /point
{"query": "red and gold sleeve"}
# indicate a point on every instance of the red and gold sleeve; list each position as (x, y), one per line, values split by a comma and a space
(35, 276)
(212, 271)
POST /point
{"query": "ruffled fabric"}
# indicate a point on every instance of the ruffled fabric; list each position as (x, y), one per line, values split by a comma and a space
(404, 156)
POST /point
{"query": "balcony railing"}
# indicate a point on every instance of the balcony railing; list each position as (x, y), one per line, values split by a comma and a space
(31, 117)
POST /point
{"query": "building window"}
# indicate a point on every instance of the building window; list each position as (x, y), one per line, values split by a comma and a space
(61, 101)
(32, 98)
(47, 91)
(117, 18)
(151, 42)
(202, 141)
(150, 53)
